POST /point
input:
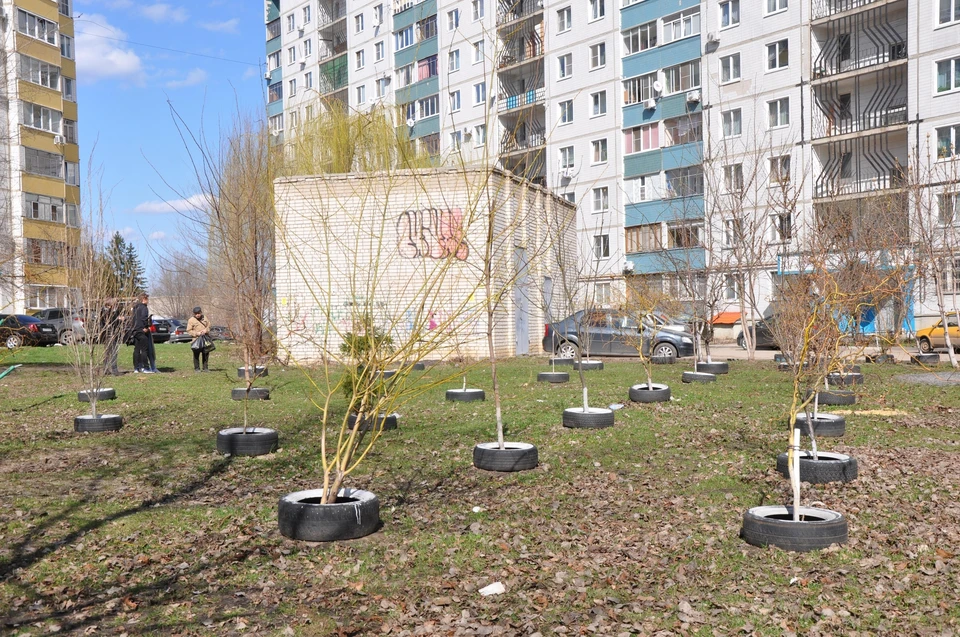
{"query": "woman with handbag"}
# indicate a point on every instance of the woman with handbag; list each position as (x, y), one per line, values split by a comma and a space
(198, 326)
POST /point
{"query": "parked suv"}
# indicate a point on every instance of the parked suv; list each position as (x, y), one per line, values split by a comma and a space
(613, 333)
(67, 329)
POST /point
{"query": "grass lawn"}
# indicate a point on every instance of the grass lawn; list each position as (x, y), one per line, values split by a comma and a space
(631, 530)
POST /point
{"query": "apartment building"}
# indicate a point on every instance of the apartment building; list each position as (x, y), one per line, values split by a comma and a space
(39, 154)
(661, 118)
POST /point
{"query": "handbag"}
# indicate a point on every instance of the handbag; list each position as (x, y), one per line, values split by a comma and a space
(203, 343)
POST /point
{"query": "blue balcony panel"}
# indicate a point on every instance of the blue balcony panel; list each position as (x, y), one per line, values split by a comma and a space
(426, 126)
(414, 14)
(419, 51)
(683, 155)
(636, 114)
(646, 163)
(663, 210)
(643, 12)
(683, 259)
(273, 45)
(273, 10)
(662, 56)
(677, 105)
(274, 108)
(418, 90)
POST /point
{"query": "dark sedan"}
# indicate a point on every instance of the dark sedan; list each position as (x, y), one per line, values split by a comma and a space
(21, 329)
(762, 332)
(613, 333)
(160, 330)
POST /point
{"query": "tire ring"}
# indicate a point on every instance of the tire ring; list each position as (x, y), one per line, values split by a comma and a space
(258, 372)
(256, 393)
(880, 359)
(517, 456)
(829, 467)
(588, 365)
(827, 425)
(258, 441)
(386, 422)
(301, 516)
(835, 397)
(561, 361)
(466, 395)
(925, 359)
(103, 422)
(773, 525)
(698, 377)
(714, 368)
(593, 418)
(107, 393)
(657, 393)
(663, 360)
(845, 379)
(553, 377)
(418, 367)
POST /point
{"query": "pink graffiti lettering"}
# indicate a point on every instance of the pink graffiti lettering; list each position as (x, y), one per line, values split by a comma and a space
(432, 233)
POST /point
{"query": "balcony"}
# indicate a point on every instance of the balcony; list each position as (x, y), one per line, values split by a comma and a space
(510, 11)
(861, 164)
(330, 12)
(829, 64)
(521, 49)
(520, 100)
(527, 139)
(863, 103)
(857, 41)
(829, 8)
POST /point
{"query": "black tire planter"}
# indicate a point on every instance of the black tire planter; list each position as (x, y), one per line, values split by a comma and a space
(256, 393)
(828, 467)
(698, 377)
(850, 369)
(880, 359)
(258, 441)
(653, 393)
(356, 513)
(100, 423)
(592, 418)
(553, 377)
(418, 367)
(714, 368)
(517, 456)
(827, 425)
(845, 379)
(106, 393)
(925, 359)
(466, 395)
(588, 365)
(774, 526)
(562, 361)
(663, 360)
(384, 421)
(835, 397)
(256, 372)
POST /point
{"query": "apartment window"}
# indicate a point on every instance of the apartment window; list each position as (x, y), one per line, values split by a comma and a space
(361, 94)
(643, 238)
(730, 68)
(846, 166)
(273, 29)
(682, 130)
(36, 27)
(570, 196)
(780, 170)
(70, 131)
(308, 112)
(39, 162)
(51, 253)
(294, 118)
(291, 55)
(947, 208)
(642, 138)
(275, 92)
(477, 6)
(73, 173)
(42, 208)
(64, 8)
(639, 89)
(640, 38)
(273, 60)
(948, 141)
(383, 86)
(427, 28)
(564, 19)
(276, 123)
(453, 19)
(566, 111)
(681, 25)
(683, 235)
(456, 139)
(778, 55)
(360, 57)
(598, 9)
(405, 75)
(566, 157)
(729, 13)
(948, 75)
(682, 77)
(429, 106)
(601, 200)
(454, 101)
(453, 60)
(599, 151)
(773, 6)
(379, 51)
(731, 288)
(291, 23)
(950, 283)
(404, 38)
(306, 14)
(598, 55)
(480, 93)
(377, 15)
(66, 46)
(480, 134)
(36, 116)
(308, 80)
(782, 224)
(601, 246)
(949, 11)
(478, 51)
(38, 72)
(733, 178)
(732, 232)
(358, 23)
(778, 113)
(599, 103)
(684, 182)
(307, 48)
(292, 87)
(565, 66)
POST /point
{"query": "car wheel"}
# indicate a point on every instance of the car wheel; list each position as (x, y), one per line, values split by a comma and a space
(66, 337)
(566, 349)
(742, 341)
(14, 341)
(665, 350)
(924, 345)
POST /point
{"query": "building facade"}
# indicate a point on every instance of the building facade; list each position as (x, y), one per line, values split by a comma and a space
(39, 153)
(693, 135)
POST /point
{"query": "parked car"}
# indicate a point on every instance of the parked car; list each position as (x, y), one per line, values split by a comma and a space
(22, 329)
(762, 332)
(67, 330)
(160, 330)
(613, 333)
(178, 332)
(220, 333)
(934, 337)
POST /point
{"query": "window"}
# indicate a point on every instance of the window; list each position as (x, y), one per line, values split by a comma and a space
(36, 27)
(846, 166)
(949, 11)
(683, 235)
(601, 200)
(51, 253)
(64, 7)
(383, 86)
(73, 173)
(599, 151)
(782, 224)
(456, 139)
(275, 92)
(42, 208)
(477, 6)
(377, 15)
(39, 162)
(603, 293)
(730, 68)
(599, 103)
(601, 246)
(684, 182)
(66, 46)
(454, 101)
(682, 130)
(948, 208)
(778, 56)
(566, 157)
(681, 25)
(950, 282)
(639, 89)
(453, 19)
(682, 77)
(478, 51)
(598, 9)
(427, 68)
(291, 55)
(404, 38)
(948, 141)
(294, 118)
(307, 48)
(427, 28)
(780, 170)
(642, 138)
(405, 75)
(480, 93)
(643, 238)
(276, 123)
(360, 58)
(292, 87)
(566, 111)
(731, 287)
(778, 113)
(36, 116)
(358, 23)
(308, 79)
(948, 75)
(291, 23)
(565, 66)
(564, 19)
(453, 60)
(379, 51)
(480, 134)
(38, 72)
(273, 29)
(361, 94)
(732, 124)
(729, 13)
(306, 14)
(773, 6)
(430, 144)
(640, 38)
(570, 196)
(70, 131)
(273, 60)
(598, 55)
(308, 112)
(733, 178)
(429, 106)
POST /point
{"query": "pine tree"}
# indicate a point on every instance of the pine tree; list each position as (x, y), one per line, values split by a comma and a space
(128, 273)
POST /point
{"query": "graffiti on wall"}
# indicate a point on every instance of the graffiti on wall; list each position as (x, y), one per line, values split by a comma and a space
(431, 233)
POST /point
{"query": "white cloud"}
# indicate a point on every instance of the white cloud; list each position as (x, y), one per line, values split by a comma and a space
(158, 235)
(194, 77)
(227, 26)
(127, 232)
(251, 72)
(163, 12)
(101, 53)
(196, 202)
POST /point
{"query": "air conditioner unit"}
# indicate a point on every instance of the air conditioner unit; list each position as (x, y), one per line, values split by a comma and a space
(650, 103)
(567, 173)
(58, 139)
(693, 96)
(267, 76)
(713, 37)
(300, 32)
(627, 266)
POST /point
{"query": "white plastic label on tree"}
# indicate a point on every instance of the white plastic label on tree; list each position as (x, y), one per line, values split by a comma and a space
(493, 589)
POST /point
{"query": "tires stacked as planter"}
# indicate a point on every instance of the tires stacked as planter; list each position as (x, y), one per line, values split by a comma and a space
(932, 358)
(827, 425)
(515, 456)
(256, 441)
(465, 395)
(553, 377)
(652, 393)
(106, 393)
(827, 467)
(301, 516)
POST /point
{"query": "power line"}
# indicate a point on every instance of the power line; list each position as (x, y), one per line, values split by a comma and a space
(163, 48)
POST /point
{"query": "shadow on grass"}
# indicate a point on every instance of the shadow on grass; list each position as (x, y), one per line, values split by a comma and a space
(17, 410)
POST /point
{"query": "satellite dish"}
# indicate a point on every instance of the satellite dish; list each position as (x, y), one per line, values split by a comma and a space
(658, 86)
(411, 122)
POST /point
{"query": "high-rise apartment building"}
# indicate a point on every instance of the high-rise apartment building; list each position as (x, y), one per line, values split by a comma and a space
(659, 118)
(39, 154)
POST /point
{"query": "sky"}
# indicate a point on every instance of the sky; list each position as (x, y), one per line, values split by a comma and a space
(137, 61)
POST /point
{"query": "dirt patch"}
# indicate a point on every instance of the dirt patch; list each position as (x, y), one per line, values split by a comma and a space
(932, 378)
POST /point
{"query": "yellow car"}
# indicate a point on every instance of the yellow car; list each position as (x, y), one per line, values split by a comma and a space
(930, 338)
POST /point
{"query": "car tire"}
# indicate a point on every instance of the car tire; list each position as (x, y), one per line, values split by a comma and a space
(385, 422)
(566, 349)
(256, 372)
(553, 377)
(653, 393)
(97, 424)
(561, 361)
(66, 337)
(14, 341)
(256, 393)
(845, 379)
(257, 441)
(828, 467)
(592, 418)
(663, 360)
(924, 345)
(355, 514)
(836, 397)
(106, 393)
(826, 425)
(465, 395)
(774, 526)
(515, 456)
(664, 350)
(698, 377)
(588, 365)
(742, 341)
(714, 368)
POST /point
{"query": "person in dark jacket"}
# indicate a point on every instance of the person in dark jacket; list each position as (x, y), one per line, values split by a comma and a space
(141, 335)
(109, 331)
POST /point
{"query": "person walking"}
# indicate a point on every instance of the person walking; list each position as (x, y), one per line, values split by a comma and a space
(109, 332)
(141, 335)
(151, 351)
(197, 326)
